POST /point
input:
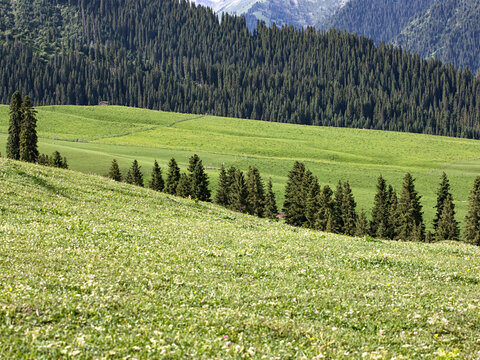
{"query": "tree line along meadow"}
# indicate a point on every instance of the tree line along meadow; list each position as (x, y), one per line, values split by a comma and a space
(306, 204)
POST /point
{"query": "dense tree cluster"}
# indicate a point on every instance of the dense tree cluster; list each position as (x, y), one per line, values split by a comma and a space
(174, 56)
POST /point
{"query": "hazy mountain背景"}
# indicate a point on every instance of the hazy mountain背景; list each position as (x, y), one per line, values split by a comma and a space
(175, 56)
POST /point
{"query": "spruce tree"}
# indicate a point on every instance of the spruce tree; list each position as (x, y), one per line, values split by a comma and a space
(380, 212)
(312, 205)
(393, 218)
(173, 176)
(256, 192)
(410, 226)
(230, 177)
(361, 227)
(28, 132)
(294, 204)
(325, 210)
(184, 186)
(114, 172)
(56, 160)
(337, 216)
(134, 175)
(156, 182)
(223, 188)
(199, 181)
(16, 118)
(443, 193)
(349, 216)
(447, 227)
(472, 219)
(270, 210)
(238, 193)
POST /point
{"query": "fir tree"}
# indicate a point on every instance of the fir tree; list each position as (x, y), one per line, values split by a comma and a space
(173, 176)
(442, 193)
(271, 210)
(192, 162)
(393, 218)
(337, 216)
(256, 192)
(156, 182)
(349, 216)
(114, 172)
(312, 206)
(410, 224)
(472, 219)
(28, 132)
(361, 227)
(380, 212)
(447, 227)
(223, 188)
(325, 211)
(238, 193)
(16, 119)
(294, 204)
(199, 181)
(184, 186)
(134, 175)
(230, 178)
(57, 160)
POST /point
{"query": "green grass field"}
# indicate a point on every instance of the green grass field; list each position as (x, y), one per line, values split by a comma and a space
(333, 154)
(94, 269)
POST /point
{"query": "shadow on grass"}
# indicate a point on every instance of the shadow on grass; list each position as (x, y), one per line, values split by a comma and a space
(44, 184)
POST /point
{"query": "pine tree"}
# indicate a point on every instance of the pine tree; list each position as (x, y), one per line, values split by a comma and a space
(380, 212)
(198, 180)
(294, 204)
(57, 160)
(447, 227)
(223, 188)
(312, 206)
(271, 210)
(173, 177)
(325, 211)
(156, 182)
(442, 193)
(337, 216)
(472, 219)
(349, 216)
(134, 175)
(256, 192)
(184, 186)
(28, 132)
(410, 224)
(238, 193)
(114, 172)
(194, 159)
(393, 218)
(16, 119)
(361, 227)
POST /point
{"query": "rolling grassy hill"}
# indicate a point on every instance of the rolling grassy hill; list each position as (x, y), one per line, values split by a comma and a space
(91, 268)
(333, 154)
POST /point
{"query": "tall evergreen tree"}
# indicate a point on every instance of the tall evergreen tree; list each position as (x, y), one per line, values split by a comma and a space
(28, 132)
(57, 161)
(294, 204)
(337, 216)
(192, 162)
(447, 226)
(271, 210)
(114, 172)
(184, 186)
(223, 188)
(325, 211)
(410, 224)
(238, 193)
(393, 219)
(349, 216)
(16, 118)
(256, 192)
(199, 182)
(361, 227)
(156, 182)
(380, 213)
(134, 175)
(312, 205)
(442, 193)
(471, 232)
(173, 177)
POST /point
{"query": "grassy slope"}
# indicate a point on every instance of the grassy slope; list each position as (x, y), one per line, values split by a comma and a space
(359, 156)
(97, 269)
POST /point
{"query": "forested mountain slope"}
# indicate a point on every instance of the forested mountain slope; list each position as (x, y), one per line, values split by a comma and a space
(173, 56)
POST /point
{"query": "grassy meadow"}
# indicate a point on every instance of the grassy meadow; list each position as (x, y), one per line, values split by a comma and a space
(92, 136)
(94, 269)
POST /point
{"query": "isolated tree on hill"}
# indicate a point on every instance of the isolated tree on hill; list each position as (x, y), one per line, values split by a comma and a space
(380, 213)
(256, 192)
(16, 118)
(134, 175)
(447, 227)
(114, 172)
(325, 210)
(173, 176)
(223, 188)
(28, 132)
(472, 219)
(361, 227)
(238, 193)
(337, 216)
(156, 182)
(184, 186)
(349, 216)
(410, 224)
(294, 204)
(270, 210)
(199, 181)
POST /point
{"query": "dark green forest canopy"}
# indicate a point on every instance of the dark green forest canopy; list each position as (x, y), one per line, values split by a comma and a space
(174, 56)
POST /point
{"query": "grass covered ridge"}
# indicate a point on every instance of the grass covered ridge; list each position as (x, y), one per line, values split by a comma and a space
(96, 269)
